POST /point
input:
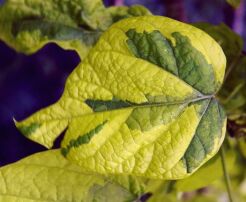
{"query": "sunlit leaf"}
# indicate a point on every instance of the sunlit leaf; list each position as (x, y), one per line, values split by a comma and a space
(161, 190)
(48, 176)
(121, 12)
(141, 103)
(28, 25)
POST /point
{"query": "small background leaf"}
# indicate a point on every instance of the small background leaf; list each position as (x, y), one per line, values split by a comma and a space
(27, 26)
(76, 25)
(234, 3)
(121, 12)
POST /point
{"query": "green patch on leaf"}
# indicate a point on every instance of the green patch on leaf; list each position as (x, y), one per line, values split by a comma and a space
(183, 59)
(146, 118)
(48, 30)
(210, 128)
(28, 130)
(83, 139)
(152, 47)
(104, 105)
(196, 71)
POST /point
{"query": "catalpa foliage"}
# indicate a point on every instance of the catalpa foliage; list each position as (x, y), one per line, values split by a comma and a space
(142, 103)
(29, 25)
(76, 25)
(48, 176)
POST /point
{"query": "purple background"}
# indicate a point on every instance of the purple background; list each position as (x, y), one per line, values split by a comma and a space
(28, 83)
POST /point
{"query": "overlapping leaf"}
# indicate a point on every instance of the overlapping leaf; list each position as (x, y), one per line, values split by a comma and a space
(28, 25)
(142, 102)
(48, 176)
(120, 12)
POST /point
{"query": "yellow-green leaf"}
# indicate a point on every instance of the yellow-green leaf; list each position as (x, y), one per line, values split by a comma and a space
(141, 103)
(120, 12)
(29, 25)
(48, 176)
(161, 190)
(234, 3)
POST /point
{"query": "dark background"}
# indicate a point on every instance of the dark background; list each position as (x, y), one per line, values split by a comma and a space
(28, 83)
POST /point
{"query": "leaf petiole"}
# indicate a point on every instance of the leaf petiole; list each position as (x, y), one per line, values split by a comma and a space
(226, 174)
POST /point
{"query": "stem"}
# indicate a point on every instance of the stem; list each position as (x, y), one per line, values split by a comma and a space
(226, 175)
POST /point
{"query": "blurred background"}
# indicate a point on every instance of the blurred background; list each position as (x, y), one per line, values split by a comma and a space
(28, 83)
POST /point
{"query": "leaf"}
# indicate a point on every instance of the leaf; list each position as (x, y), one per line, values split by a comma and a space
(28, 25)
(48, 176)
(161, 190)
(163, 197)
(111, 193)
(234, 3)
(135, 185)
(203, 198)
(142, 102)
(206, 175)
(120, 12)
